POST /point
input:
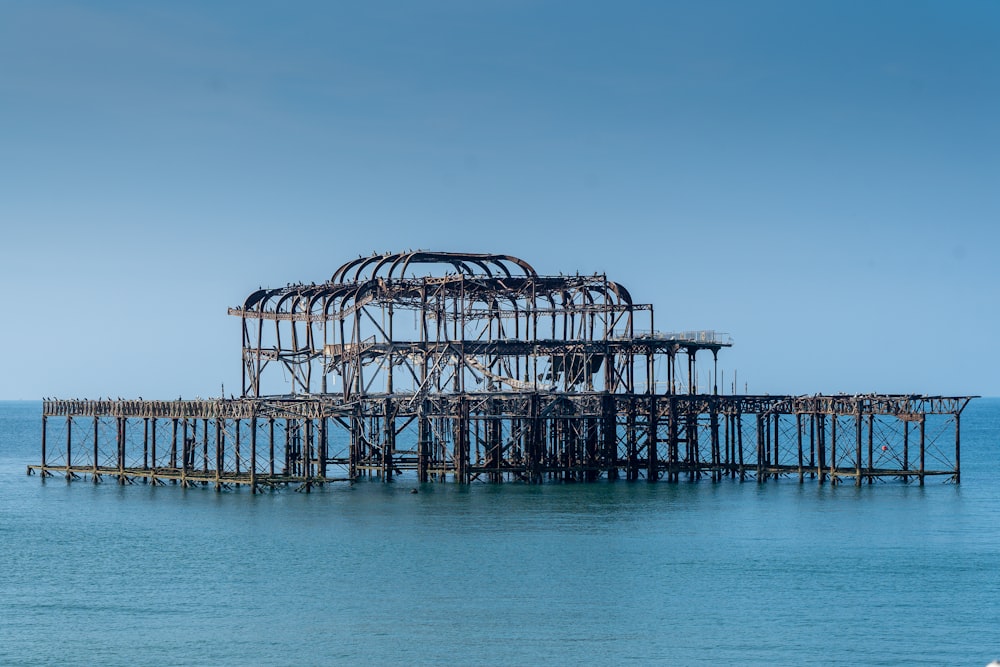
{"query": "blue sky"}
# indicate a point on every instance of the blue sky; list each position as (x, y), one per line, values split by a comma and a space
(821, 180)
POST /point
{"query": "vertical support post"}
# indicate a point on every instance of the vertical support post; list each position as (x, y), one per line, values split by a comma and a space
(692, 379)
(388, 440)
(218, 454)
(462, 441)
(491, 432)
(423, 435)
(204, 447)
(760, 448)
(923, 417)
(173, 444)
(673, 454)
(631, 456)
(739, 443)
(650, 371)
(592, 458)
(253, 452)
(566, 444)
(834, 418)
(713, 416)
(652, 462)
(322, 447)
(871, 444)
(857, 445)
(812, 445)
(776, 456)
(69, 447)
(355, 453)
(958, 448)
(798, 432)
(145, 443)
(287, 469)
(727, 437)
(906, 448)
(693, 447)
(306, 453)
(95, 474)
(153, 452)
(609, 425)
(715, 371)
(45, 424)
(671, 371)
(236, 445)
(820, 446)
(187, 451)
(122, 426)
(270, 446)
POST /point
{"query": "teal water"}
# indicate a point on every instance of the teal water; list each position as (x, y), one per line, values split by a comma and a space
(686, 574)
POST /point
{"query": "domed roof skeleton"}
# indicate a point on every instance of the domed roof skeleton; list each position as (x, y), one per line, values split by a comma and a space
(494, 311)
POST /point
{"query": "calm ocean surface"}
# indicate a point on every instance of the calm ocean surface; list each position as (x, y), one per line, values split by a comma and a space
(685, 574)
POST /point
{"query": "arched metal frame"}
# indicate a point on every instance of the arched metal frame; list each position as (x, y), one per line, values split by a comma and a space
(437, 322)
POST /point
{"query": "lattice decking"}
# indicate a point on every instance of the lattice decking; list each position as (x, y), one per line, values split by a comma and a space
(474, 367)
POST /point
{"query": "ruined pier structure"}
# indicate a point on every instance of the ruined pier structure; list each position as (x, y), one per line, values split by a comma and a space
(474, 367)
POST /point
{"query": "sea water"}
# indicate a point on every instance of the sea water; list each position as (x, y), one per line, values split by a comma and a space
(693, 573)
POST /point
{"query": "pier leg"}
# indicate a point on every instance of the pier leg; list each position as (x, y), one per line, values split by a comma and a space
(812, 446)
(739, 444)
(389, 440)
(727, 433)
(173, 444)
(821, 447)
(857, 443)
(798, 436)
(713, 417)
(673, 447)
(187, 451)
(69, 449)
(270, 447)
(631, 458)
(423, 436)
(652, 462)
(122, 426)
(871, 447)
(306, 458)
(253, 454)
(609, 425)
(204, 447)
(922, 443)
(45, 428)
(218, 455)
(833, 448)
(236, 445)
(775, 458)
(958, 448)
(322, 447)
(906, 449)
(152, 477)
(761, 434)
(95, 475)
(694, 448)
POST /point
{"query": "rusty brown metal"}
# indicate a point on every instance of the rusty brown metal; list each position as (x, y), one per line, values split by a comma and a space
(475, 367)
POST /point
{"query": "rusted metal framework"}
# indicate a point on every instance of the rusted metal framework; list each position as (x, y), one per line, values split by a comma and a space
(425, 323)
(475, 367)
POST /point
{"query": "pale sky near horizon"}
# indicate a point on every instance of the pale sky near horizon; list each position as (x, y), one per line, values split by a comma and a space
(821, 180)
